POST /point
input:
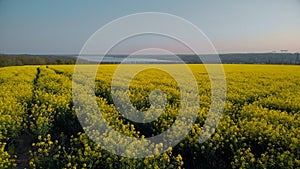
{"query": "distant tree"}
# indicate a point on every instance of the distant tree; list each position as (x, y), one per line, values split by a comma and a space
(59, 61)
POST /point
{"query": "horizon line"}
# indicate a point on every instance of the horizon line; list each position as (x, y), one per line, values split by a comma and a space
(77, 54)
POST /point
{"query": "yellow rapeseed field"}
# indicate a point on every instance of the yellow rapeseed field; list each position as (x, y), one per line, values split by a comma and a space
(260, 126)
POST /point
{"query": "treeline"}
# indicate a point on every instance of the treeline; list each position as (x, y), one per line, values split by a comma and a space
(19, 60)
(235, 58)
(250, 58)
(262, 58)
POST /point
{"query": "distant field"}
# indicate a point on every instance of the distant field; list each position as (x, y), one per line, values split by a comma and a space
(260, 127)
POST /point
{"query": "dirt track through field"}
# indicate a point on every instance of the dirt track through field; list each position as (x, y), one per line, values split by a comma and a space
(24, 141)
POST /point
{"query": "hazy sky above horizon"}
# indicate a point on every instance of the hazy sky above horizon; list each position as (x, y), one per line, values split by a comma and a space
(62, 27)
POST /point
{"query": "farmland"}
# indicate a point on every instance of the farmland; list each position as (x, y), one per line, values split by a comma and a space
(260, 126)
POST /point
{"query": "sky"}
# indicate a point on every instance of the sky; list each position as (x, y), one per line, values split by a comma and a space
(233, 26)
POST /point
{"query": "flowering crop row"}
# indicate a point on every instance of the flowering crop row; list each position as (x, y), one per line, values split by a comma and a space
(16, 85)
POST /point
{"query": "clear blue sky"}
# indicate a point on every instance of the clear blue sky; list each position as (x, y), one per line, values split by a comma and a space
(60, 27)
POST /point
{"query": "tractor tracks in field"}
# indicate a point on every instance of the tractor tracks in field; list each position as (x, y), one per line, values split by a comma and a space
(23, 144)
